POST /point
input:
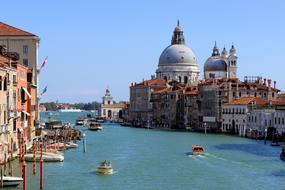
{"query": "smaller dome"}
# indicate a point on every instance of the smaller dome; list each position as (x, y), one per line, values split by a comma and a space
(215, 63)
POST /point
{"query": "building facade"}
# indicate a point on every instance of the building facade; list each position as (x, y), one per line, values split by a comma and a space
(111, 110)
(26, 45)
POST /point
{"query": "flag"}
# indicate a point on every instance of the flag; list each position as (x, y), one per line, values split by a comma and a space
(44, 63)
(44, 90)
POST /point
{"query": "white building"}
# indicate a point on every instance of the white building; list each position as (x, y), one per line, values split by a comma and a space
(178, 62)
(268, 121)
(111, 110)
(235, 113)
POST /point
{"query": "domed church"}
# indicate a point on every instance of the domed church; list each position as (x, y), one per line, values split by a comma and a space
(177, 61)
(220, 66)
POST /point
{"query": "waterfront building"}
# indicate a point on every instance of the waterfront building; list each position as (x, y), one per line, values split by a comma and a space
(178, 62)
(234, 114)
(191, 105)
(268, 121)
(26, 103)
(111, 110)
(8, 105)
(26, 45)
(213, 93)
(141, 109)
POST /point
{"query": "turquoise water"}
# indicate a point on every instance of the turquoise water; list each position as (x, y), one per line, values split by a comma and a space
(152, 159)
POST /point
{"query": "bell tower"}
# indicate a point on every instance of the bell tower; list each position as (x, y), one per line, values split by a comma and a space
(108, 99)
(232, 63)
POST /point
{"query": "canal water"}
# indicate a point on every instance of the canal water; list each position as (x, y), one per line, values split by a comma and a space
(153, 159)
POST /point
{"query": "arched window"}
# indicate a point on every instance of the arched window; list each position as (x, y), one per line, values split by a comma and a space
(185, 79)
(165, 78)
(179, 78)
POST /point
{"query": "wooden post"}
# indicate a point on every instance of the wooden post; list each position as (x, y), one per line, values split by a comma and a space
(34, 157)
(10, 161)
(2, 176)
(41, 169)
(84, 142)
(24, 174)
(5, 162)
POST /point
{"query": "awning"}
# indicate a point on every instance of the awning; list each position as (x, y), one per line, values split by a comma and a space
(26, 113)
(26, 91)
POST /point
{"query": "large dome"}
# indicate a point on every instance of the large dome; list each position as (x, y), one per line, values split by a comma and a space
(177, 54)
(215, 63)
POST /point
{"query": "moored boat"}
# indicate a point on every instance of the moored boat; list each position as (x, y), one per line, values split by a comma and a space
(105, 168)
(10, 181)
(94, 126)
(198, 150)
(47, 157)
(80, 121)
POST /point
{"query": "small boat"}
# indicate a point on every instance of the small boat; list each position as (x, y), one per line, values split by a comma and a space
(47, 157)
(71, 145)
(80, 121)
(198, 150)
(105, 168)
(10, 181)
(94, 126)
(57, 146)
(282, 155)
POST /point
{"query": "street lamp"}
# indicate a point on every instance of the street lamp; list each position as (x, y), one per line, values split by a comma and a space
(265, 135)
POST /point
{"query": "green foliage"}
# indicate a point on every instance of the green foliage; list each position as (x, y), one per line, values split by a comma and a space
(52, 106)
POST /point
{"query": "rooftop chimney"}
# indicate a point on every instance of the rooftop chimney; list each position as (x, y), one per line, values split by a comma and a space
(274, 84)
(264, 83)
(269, 83)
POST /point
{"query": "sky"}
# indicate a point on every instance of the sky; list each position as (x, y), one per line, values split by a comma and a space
(92, 45)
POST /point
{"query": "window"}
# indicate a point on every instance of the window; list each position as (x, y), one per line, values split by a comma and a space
(279, 121)
(185, 79)
(282, 121)
(14, 125)
(179, 78)
(22, 76)
(25, 49)
(14, 79)
(239, 94)
(26, 62)
(273, 94)
(0, 82)
(29, 77)
(23, 97)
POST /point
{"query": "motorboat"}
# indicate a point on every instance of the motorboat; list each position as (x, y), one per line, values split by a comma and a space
(198, 150)
(94, 126)
(282, 154)
(105, 168)
(47, 157)
(10, 181)
(80, 121)
(57, 146)
(71, 145)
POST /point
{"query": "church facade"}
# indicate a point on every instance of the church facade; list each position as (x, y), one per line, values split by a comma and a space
(110, 110)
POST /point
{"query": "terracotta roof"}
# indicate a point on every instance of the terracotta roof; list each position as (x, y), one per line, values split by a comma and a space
(248, 100)
(278, 103)
(161, 91)
(154, 82)
(7, 30)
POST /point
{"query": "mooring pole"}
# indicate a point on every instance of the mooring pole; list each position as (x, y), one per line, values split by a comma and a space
(34, 157)
(41, 169)
(84, 142)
